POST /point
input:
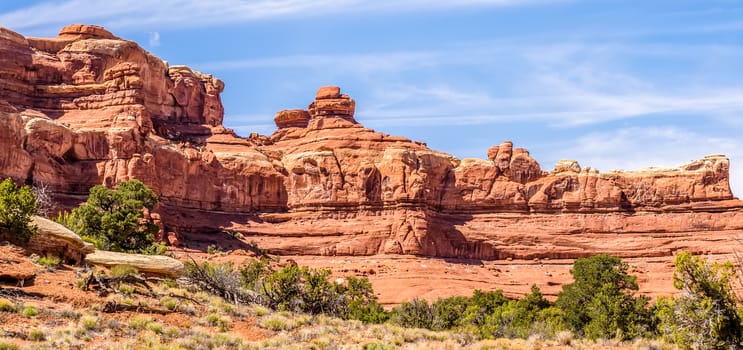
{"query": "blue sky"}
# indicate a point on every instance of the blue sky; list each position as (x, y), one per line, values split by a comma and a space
(612, 84)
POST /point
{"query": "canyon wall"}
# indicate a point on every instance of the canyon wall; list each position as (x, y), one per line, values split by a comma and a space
(88, 108)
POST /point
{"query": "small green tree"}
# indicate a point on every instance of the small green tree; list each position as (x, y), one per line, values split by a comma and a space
(283, 289)
(448, 312)
(114, 219)
(482, 304)
(361, 303)
(705, 316)
(415, 314)
(17, 205)
(319, 295)
(600, 303)
(517, 317)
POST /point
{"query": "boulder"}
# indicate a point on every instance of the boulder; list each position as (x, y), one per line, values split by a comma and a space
(149, 264)
(293, 118)
(328, 92)
(55, 239)
(85, 31)
(15, 266)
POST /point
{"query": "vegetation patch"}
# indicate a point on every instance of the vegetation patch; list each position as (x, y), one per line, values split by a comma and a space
(17, 205)
(116, 219)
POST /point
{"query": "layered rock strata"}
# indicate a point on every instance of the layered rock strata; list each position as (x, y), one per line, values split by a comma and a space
(88, 108)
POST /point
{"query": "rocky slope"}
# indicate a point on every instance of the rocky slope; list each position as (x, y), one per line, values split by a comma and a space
(89, 108)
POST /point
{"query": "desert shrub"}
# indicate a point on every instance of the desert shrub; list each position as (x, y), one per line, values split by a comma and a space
(8, 346)
(520, 318)
(361, 303)
(291, 288)
(36, 335)
(253, 273)
(30, 311)
(138, 322)
(122, 270)
(115, 219)
(126, 289)
(275, 323)
(169, 303)
(213, 249)
(447, 312)
(706, 314)
(89, 322)
(113, 324)
(212, 319)
(155, 327)
(71, 314)
(319, 295)
(219, 279)
(303, 289)
(172, 332)
(482, 304)
(215, 320)
(17, 205)
(7, 305)
(416, 313)
(282, 288)
(49, 260)
(377, 346)
(260, 310)
(600, 303)
(156, 248)
(283, 321)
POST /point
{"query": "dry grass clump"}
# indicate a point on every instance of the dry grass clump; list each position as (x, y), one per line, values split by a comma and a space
(283, 321)
(89, 323)
(8, 345)
(7, 305)
(30, 311)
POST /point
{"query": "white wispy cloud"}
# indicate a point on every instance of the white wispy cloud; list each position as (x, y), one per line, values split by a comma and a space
(353, 63)
(154, 39)
(566, 84)
(195, 13)
(568, 107)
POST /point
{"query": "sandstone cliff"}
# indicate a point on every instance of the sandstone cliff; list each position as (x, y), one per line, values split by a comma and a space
(89, 108)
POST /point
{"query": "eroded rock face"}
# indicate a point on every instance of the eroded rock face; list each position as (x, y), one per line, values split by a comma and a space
(88, 108)
(331, 103)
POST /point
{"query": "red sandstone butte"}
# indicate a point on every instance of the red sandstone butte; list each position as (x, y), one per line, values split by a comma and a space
(88, 108)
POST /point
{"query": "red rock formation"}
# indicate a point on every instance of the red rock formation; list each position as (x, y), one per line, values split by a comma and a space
(88, 108)
(294, 118)
(330, 102)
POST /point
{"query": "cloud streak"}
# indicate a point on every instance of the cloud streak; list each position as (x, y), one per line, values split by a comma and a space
(154, 40)
(565, 85)
(193, 13)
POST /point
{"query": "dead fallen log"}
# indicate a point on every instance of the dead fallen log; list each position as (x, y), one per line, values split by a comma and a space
(111, 284)
(113, 307)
